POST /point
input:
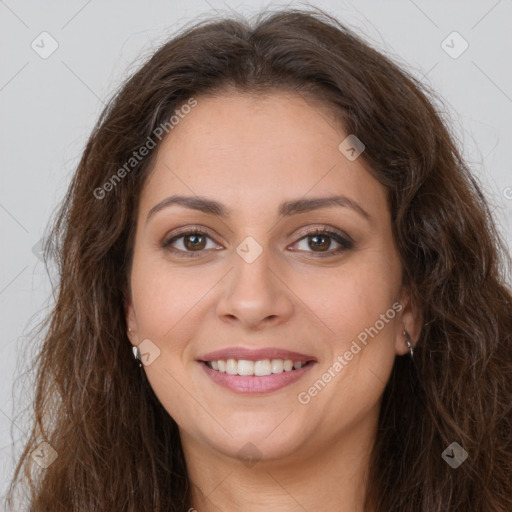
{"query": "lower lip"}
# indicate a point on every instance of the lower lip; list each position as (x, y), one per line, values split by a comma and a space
(253, 384)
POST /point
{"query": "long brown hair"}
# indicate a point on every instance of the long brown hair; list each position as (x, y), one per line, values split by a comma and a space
(118, 448)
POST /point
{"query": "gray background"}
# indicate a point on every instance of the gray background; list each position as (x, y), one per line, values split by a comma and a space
(48, 107)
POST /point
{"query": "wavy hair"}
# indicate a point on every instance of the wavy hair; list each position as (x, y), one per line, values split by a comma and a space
(118, 448)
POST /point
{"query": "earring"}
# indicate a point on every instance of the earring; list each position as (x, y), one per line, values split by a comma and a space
(136, 351)
(136, 355)
(408, 341)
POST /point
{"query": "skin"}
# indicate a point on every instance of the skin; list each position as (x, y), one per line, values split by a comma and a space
(251, 153)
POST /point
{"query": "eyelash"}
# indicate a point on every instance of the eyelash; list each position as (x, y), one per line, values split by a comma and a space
(345, 243)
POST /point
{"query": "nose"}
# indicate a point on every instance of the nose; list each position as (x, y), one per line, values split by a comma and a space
(254, 294)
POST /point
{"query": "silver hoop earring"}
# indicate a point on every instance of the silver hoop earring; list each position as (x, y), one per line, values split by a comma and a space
(409, 344)
(136, 355)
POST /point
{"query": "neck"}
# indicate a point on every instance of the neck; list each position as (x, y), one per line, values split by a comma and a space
(311, 479)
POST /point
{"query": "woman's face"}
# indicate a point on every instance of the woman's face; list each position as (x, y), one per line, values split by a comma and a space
(257, 282)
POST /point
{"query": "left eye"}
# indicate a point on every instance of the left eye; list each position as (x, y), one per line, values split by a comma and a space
(322, 239)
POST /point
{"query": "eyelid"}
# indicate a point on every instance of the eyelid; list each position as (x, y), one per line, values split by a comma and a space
(326, 228)
(188, 230)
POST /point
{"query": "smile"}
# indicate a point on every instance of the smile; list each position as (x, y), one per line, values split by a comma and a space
(255, 377)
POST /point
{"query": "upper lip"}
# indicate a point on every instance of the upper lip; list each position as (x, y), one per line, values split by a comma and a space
(251, 354)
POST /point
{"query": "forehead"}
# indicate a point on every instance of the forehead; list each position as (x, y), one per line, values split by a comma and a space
(250, 151)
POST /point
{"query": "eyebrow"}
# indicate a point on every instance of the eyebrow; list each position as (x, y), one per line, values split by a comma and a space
(286, 209)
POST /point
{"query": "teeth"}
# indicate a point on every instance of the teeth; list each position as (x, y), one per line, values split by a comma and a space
(262, 368)
(231, 366)
(245, 367)
(277, 365)
(256, 368)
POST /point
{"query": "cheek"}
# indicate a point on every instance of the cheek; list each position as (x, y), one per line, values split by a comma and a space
(351, 298)
(166, 301)
(359, 322)
(165, 296)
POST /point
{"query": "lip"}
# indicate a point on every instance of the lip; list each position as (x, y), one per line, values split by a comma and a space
(251, 354)
(252, 384)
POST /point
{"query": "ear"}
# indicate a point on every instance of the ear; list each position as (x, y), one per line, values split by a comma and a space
(410, 320)
(131, 319)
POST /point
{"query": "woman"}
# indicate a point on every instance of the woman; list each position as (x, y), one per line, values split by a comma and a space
(277, 222)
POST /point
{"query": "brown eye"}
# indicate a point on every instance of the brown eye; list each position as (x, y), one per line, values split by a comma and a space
(193, 242)
(189, 242)
(320, 242)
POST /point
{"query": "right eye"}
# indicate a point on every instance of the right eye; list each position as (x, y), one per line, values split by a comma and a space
(192, 241)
